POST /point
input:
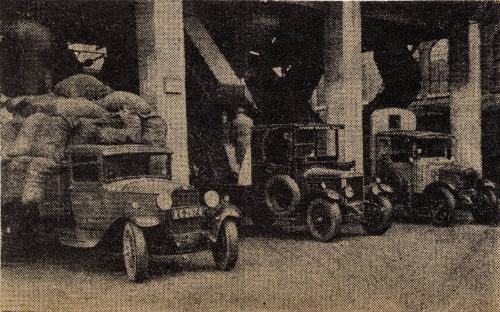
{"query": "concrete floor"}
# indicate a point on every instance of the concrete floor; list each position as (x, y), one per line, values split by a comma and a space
(411, 268)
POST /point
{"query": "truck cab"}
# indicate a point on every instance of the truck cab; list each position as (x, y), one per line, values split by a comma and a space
(123, 198)
(298, 178)
(427, 180)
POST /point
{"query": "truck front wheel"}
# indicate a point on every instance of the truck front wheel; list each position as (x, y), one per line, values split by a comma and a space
(135, 253)
(323, 219)
(442, 204)
(377, 215)
(225, 249)
(487, 209)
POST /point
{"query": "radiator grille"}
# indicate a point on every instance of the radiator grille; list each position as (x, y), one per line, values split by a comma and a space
(185, 198)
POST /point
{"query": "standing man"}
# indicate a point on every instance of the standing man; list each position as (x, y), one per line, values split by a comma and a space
(229, 145)
(242, 132)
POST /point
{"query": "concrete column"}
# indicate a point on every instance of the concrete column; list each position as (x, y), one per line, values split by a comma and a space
(465, 93)
(342, 89)
(424, 62)
(160, 36)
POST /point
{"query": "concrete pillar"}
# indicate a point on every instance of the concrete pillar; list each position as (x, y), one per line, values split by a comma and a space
(424, 62)
(342, 89)
(160, 46)
(465, 93)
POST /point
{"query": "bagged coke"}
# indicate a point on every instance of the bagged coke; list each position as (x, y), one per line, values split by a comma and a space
(41, 135)
(118, 100)
(37, 177)
(82, 85)
(129, 133)
(78, 107)
(154, 130)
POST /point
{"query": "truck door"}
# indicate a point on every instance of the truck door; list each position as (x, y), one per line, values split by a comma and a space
(395, 165)
(276, 156)
(86, 190)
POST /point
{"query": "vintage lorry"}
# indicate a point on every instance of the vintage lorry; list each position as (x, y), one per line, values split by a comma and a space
(123, 198)
(296, 181)
(427, 181)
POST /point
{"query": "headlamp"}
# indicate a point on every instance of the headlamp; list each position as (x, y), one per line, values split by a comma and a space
(376, 190)
(164, 201)
(211, 199)
(348, 191)
(386, 188)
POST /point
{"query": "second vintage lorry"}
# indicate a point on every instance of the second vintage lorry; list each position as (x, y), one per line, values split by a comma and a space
(296, 181)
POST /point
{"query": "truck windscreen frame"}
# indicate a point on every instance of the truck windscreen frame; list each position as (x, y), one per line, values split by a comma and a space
(137, 165)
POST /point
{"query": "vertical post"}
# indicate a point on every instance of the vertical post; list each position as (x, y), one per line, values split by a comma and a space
(424, 62)
(342, 91)
(465, 93)
(161, 61)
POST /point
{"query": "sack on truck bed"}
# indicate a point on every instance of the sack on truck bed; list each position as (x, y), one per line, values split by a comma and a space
(78, 107)
(118, 100)
(9, 132)
(84, 132)
(13, 178)
(51, 138)
(55, 106)
(154, 130)
(23, 144)
(82, 85)
(41, 135)
(31, 104)
(36, 179)
(129, 133)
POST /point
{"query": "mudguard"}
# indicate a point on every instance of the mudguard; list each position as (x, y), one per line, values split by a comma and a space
(449, 186)
(378, 188)
(329, 194)
(487, 184)
(146, 221)
(224, 212)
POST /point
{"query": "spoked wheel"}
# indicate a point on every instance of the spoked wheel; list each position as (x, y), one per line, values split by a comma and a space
(377, 215)
(323, 219)
(135, 254)
(442, 204)
(488, 208)
(225, 249)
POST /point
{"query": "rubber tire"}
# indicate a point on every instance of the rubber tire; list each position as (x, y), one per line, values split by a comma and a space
(19, 241)
(270, 200)
(448, 200)
(378, 221)
(329, 210)
(489, 209)
(225, 249)
(135, 253)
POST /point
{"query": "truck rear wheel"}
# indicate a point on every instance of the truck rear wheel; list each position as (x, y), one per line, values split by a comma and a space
(281, 195)
(19, 240)
(323, 219)
(135, 254)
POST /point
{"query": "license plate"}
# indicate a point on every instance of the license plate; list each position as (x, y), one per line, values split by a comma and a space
(185, 213)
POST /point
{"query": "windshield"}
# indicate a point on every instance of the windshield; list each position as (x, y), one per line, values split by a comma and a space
(433, 148)
(123, 166)
(313, 142)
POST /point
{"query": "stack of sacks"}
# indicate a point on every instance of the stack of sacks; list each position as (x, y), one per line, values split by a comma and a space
(82, 110)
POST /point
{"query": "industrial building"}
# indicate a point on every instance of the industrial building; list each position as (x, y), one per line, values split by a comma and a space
(284, 60)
